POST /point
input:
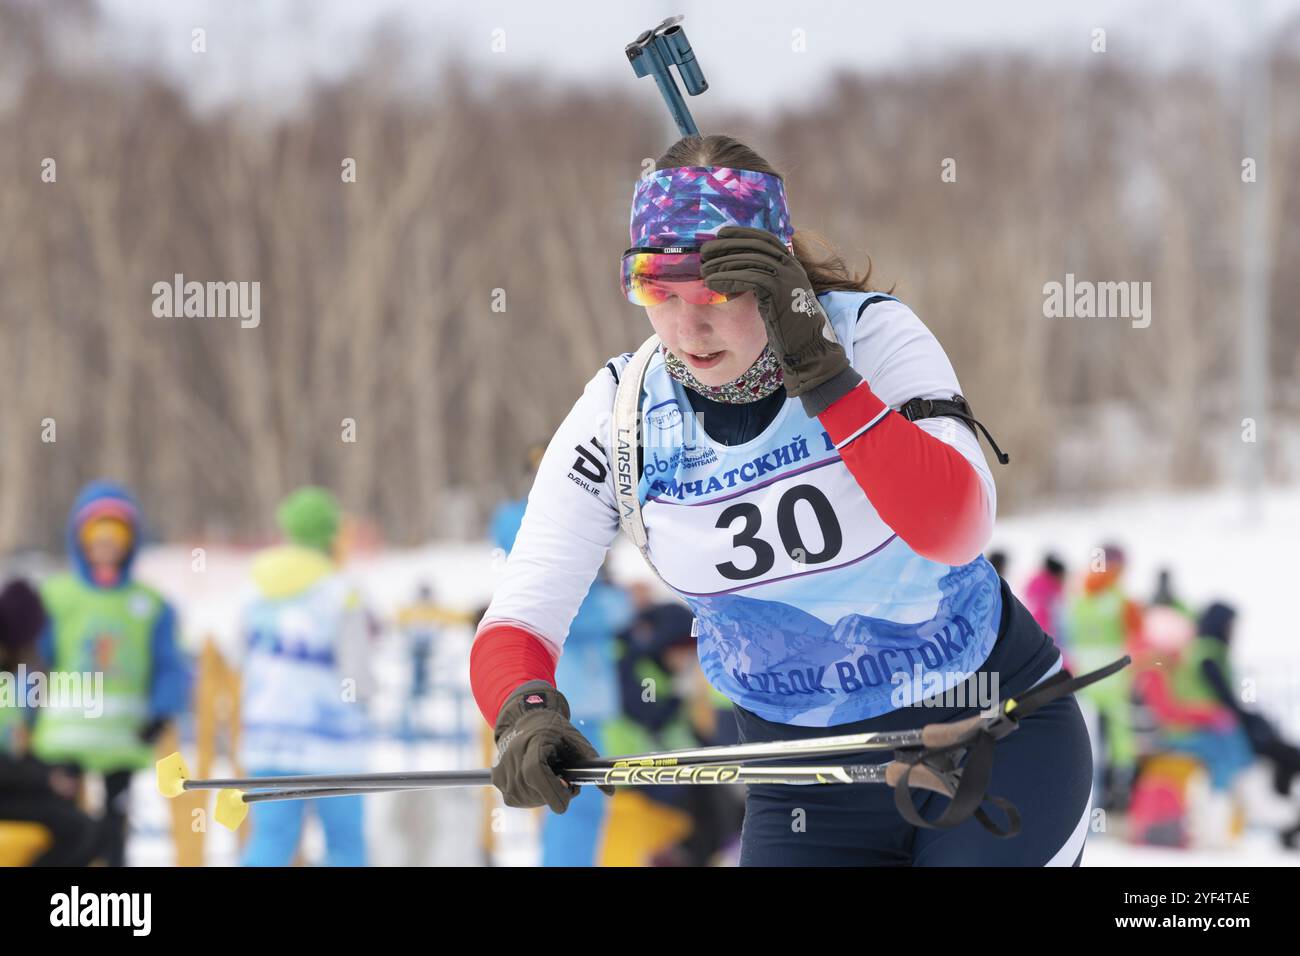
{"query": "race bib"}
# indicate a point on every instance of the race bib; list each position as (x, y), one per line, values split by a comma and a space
(807, 520)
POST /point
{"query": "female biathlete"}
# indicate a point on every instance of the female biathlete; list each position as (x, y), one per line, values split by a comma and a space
(828, 545)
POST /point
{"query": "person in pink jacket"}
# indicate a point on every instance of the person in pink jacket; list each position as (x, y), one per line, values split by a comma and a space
(1044, 597)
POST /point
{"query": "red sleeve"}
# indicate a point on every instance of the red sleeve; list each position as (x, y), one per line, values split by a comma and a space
(923, 488)
(503, 657)
(1155, 691)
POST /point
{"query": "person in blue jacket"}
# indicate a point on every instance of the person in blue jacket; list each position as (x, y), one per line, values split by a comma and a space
(119, 638)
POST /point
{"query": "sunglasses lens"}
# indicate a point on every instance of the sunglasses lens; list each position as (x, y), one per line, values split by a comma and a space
(652, 278)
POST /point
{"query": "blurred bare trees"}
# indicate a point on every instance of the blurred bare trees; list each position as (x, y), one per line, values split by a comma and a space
(454, 299)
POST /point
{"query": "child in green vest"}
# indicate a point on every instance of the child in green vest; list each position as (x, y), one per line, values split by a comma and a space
(1103, 623)
(117, 639)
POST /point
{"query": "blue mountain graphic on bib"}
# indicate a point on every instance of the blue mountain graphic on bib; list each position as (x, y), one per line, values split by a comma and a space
(790, 666)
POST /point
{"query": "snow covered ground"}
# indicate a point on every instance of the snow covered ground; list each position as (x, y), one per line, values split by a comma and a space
(1216, 546)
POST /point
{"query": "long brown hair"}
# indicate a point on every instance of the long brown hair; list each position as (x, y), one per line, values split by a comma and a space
(825, 266)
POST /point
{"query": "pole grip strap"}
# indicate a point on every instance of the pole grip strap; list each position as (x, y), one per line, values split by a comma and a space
(966, 784)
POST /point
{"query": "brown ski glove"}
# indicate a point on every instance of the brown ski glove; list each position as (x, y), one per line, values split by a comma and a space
(813, 362)
(535, 741)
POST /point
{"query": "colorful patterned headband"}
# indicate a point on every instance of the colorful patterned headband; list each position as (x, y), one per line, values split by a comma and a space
(687, 205)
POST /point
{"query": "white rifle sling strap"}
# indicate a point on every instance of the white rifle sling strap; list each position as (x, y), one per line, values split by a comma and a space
(624, 441)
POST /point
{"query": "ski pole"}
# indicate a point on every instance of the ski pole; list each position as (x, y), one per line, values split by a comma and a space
(232, 804)
(173, 775)
(697, 774)
(174, 778)
(929, 760)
